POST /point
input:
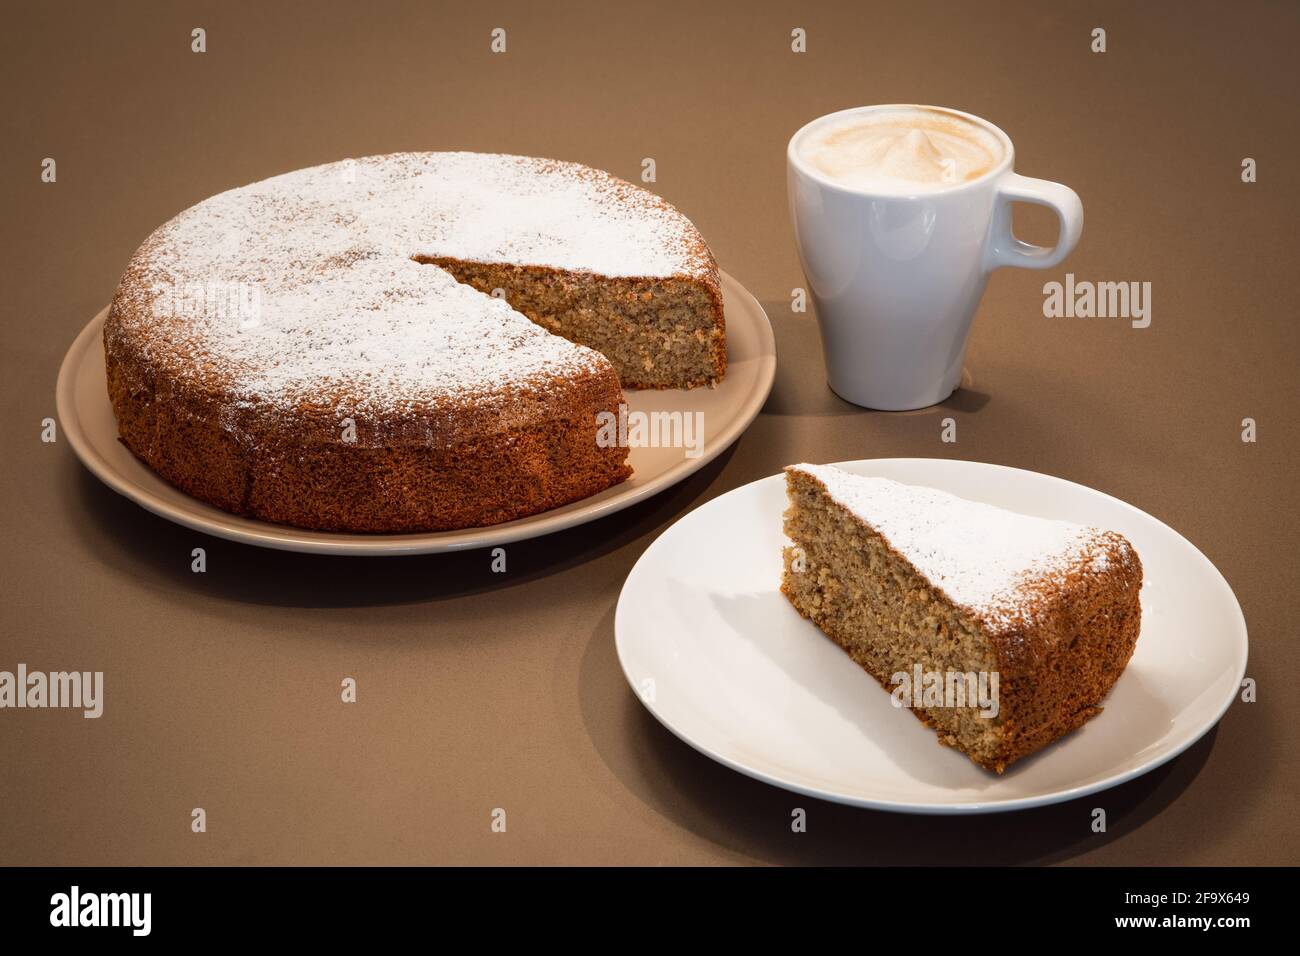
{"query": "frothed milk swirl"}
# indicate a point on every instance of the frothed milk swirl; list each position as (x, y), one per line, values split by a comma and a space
(903, 150)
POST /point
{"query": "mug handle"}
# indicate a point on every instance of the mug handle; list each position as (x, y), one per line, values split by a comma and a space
(1004, 249)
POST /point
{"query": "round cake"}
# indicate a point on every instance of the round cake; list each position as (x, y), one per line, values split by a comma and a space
(411, 342)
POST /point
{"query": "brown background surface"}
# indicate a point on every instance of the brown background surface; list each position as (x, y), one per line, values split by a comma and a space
(222, 689)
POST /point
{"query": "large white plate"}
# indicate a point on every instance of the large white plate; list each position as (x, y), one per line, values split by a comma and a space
(86, 418)
(721, 658)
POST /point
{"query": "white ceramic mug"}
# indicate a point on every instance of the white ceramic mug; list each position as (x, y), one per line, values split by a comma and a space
(896, 278)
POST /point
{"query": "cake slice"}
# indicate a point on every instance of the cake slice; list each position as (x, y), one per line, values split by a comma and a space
(1002, 632)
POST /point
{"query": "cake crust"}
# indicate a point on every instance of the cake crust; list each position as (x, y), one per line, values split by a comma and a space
(1058, 636)
(440, 469)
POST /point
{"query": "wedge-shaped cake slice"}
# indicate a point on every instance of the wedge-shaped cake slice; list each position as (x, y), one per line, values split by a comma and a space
(1000, 631)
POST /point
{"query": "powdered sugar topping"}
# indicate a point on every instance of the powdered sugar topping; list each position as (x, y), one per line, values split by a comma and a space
(304, 285)
(981, 556)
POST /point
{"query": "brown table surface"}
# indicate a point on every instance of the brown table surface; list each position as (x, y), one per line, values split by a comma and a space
(222, 689)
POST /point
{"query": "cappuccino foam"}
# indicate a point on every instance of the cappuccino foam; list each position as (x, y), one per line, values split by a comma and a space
(902, 150)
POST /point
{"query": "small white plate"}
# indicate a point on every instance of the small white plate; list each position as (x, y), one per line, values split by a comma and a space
(86, 418)
(722, 659)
